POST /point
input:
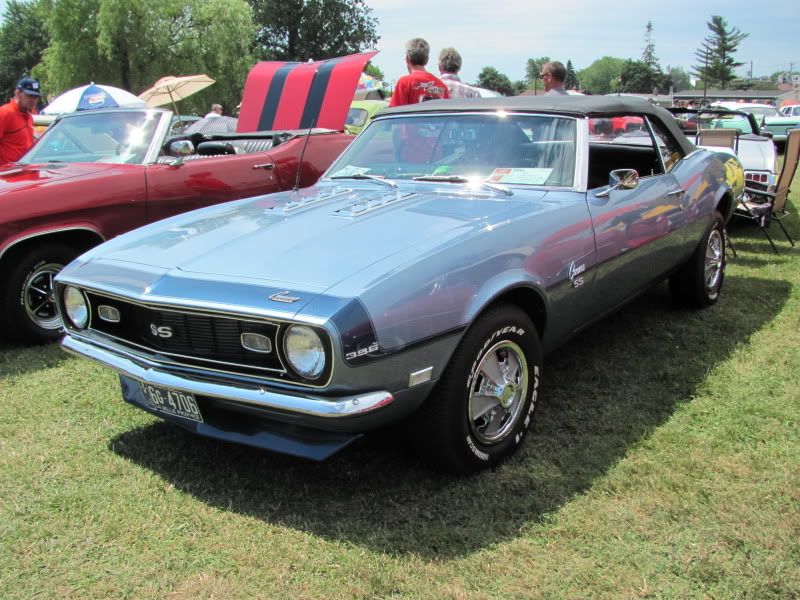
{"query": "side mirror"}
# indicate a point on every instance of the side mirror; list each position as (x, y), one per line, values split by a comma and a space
(767, 134)
(621, 179)
(181, 148)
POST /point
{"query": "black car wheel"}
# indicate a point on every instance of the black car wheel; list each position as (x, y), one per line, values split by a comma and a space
(28, 302)
(484, 402)
(699, 281)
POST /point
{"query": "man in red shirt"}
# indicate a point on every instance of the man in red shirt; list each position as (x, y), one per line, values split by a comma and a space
(16, 122)
(418, 85)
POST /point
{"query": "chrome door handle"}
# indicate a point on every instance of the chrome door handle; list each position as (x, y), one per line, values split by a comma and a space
(265, 166)
(677, 193)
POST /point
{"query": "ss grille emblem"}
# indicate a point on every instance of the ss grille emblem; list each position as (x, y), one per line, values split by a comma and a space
(163, 332)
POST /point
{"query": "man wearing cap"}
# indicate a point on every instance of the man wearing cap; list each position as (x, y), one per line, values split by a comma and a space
(16, 122)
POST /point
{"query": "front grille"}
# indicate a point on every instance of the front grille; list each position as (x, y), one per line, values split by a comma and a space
(189, 338)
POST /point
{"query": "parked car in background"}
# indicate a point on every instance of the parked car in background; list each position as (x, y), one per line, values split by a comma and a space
(96, 174)
(758, 110)
(780, 125)
(793, 110)
(449, 248)
(769, 118)
(754, 147)
(361, 112)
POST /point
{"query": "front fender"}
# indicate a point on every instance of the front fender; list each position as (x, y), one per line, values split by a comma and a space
(516, 283)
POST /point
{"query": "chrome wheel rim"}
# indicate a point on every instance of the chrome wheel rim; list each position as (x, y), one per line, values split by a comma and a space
(39, 296)
(714, 256)
(497, 392)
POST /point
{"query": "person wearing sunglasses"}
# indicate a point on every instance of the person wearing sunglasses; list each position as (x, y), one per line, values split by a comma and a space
(553, 75)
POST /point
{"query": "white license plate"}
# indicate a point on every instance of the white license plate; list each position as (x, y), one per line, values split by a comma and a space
(172, 402)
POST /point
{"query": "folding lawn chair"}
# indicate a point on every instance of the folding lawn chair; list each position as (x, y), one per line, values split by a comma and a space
(721, 138)
(762, 205)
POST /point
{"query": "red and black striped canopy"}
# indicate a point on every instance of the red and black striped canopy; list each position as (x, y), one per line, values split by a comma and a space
(291, 95)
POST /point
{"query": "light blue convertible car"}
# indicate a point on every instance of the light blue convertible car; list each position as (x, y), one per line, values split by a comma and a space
(449, 248)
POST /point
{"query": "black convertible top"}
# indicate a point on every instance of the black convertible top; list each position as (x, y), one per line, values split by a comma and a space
(580, 106)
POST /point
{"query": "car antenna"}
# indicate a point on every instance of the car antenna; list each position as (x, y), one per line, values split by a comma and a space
(308, 133)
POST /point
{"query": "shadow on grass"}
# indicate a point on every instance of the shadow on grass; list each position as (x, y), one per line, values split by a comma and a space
(17, 359)
(602, 393)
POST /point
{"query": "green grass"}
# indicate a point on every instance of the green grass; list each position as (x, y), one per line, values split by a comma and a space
(663, 463)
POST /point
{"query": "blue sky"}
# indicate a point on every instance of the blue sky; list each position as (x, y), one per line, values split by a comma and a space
(505, 33)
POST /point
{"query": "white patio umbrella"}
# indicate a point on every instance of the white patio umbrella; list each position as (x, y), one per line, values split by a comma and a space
(170, 89)
(88, 97)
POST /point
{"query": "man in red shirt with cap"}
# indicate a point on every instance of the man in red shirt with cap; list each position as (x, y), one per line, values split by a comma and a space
(16, 122)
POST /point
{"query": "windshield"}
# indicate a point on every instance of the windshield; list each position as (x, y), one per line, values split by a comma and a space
(766, 111)
(113, 136)
(496, 147)
(356, 117)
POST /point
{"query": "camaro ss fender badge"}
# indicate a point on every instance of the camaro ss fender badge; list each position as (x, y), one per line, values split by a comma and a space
(574, 274)
(284, 297)
(163, 331)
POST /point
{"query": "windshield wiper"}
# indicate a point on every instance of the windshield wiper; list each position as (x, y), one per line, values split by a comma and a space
(391, 184)
(460, 179)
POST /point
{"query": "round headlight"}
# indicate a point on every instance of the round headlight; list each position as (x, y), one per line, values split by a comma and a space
(76, 307)
(305, 351)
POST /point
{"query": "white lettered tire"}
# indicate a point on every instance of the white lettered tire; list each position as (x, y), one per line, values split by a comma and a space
(484, 403)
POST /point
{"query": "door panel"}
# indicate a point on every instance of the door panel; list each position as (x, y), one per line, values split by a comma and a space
(637, 232)
(205, 181)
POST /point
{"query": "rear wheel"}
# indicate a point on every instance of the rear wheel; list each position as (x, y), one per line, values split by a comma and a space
(483, 406)
(699, 281)
(28, 301)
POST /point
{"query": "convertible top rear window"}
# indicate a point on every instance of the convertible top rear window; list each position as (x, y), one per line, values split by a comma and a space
(496, 147)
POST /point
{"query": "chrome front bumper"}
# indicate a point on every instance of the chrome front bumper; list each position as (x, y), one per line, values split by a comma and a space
(310, 405)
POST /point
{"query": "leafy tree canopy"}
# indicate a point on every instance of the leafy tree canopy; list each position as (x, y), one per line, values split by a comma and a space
(602, 76)
(23, 38)
(679, 79)
(132, 43)
(374, 71)
(636, 78)
(298, 30)
(492, 79)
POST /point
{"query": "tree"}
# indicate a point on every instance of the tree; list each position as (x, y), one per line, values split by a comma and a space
(637, 78)
(571, 82)
(715, 55)
(22, 42)
(298, 30)
(132, 43)
(373, 71)
(679, 79)
(602, 76)
(533, 68)
(649, 53)
(492, 79)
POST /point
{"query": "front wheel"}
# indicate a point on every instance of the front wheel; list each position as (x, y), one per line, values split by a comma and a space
(483, 406)
(28, 302)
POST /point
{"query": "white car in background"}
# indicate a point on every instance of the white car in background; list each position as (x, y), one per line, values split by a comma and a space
(753, 145)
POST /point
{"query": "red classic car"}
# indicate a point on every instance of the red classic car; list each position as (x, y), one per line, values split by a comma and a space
(96, 174)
